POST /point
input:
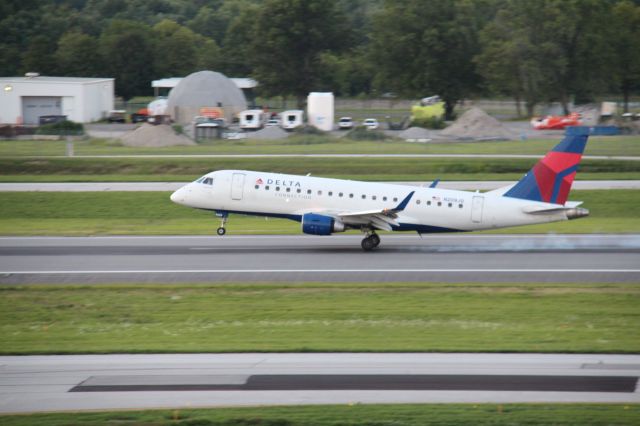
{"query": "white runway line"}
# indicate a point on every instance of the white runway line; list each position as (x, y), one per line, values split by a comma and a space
(340, 271)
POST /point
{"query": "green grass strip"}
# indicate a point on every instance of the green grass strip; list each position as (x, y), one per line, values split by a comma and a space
(354, 415)
(317, 317)
(312, 144)
(152, 213)
(379, 169)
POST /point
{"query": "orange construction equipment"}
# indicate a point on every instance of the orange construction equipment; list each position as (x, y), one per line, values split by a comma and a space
(556, 122)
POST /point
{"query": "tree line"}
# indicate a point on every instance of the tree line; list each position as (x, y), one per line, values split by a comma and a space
(530, 50)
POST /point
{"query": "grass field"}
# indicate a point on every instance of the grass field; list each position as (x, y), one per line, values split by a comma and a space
(311, 144)
(320, 317)
(355, 415)
(373, 169)
(152, 213)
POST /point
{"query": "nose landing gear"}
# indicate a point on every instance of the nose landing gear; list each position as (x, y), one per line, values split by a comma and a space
(371, 241)
(221, 230)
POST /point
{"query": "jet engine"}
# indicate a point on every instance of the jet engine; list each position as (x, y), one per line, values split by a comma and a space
(317, 224)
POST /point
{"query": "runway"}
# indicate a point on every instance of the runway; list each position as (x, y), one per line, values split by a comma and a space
(299, 258)
(102, 382)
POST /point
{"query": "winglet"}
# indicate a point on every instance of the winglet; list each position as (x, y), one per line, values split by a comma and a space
(434, 183)
(404, 202)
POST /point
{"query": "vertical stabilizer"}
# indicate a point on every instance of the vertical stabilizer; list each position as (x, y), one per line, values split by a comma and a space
(551, 178)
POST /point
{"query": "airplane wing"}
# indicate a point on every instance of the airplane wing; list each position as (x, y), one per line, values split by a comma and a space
(380, 219)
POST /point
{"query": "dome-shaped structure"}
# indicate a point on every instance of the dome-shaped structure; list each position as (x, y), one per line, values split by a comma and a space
(205, 91)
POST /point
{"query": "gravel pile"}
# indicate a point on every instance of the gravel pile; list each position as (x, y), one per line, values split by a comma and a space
(477, 124)
(272, 132)
(155, 136)
(415, 133)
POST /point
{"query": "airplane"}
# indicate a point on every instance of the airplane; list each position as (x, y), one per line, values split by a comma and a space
(325, 206)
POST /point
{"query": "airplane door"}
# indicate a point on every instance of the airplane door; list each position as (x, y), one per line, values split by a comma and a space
(476, 209)
(237, 186)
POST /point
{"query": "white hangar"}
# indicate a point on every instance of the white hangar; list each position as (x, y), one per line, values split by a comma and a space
(24, 99)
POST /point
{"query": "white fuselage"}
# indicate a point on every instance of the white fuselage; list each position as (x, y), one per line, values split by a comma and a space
(429, 209)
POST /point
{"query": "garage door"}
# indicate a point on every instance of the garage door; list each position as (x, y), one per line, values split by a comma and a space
(36, 106)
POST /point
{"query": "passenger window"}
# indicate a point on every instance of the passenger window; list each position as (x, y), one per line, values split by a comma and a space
(439, 203)
(266, 187)
(450, 205)
(319, 192)
(460, 206)
(277, 188)
(428, 203)
(373, 197)
(298, 190)
(395, 199)
(417, 201)
(384, 198)
(288, 189)
(257, 186)
(309, 191)
(340, 194)
(330, 193)
(364, 197)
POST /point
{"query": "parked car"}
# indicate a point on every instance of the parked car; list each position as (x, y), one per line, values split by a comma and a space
(117, 116)
(371, 124)
(345, 123)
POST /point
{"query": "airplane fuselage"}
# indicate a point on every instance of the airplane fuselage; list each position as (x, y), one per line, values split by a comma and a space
(429, 209)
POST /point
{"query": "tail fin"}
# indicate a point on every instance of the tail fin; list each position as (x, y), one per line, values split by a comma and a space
(550, 180)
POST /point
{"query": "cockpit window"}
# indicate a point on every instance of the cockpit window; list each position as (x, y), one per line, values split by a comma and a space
(205, 180)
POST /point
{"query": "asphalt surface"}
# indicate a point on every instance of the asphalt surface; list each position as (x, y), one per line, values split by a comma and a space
(298, 258)
(172, 186)
(100, 382)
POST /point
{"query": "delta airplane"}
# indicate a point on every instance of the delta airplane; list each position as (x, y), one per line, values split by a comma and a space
(325, 206)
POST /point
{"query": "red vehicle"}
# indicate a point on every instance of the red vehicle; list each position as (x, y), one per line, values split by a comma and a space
(556, 122)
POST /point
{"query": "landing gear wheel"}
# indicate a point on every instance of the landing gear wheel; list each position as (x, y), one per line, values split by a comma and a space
(374, 239)
(367, 244)
(221, 231)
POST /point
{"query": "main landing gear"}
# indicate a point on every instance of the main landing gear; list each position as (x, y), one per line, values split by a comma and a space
(371, 241)
(221, 230)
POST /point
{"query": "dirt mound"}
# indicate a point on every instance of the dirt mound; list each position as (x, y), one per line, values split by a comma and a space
(415, 133)
(155, 136)
(272, 132)
(477, 124)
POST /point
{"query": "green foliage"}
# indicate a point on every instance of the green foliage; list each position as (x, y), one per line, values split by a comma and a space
(361, 133)
(61, 128)
(128, 46)
(78, 54)
(178, 129)
(534, 51)
(424, 51)
(289, 37)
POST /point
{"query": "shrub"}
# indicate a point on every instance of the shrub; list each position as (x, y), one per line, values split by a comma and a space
(61, 128)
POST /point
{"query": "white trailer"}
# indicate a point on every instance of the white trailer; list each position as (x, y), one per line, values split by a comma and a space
(320, 110)
(252, 119)
(292, 118)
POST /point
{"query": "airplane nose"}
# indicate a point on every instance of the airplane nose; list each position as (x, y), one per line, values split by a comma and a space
(178, 196)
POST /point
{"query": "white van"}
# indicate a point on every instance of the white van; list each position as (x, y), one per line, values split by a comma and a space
(292, 119)
(252, 119)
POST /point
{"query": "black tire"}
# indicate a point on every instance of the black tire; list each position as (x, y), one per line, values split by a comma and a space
(367, 244)
(221, 231)
(375, 239)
